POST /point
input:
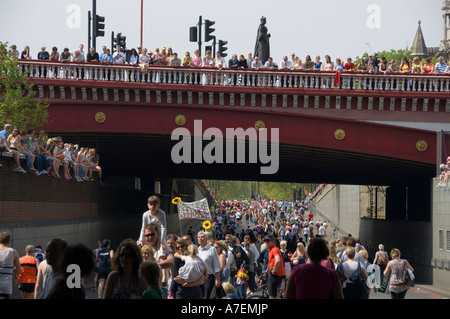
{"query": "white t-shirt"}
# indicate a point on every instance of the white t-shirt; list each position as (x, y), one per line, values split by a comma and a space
(322, 230)
(193, 268)
(350, 267)
(67, 155)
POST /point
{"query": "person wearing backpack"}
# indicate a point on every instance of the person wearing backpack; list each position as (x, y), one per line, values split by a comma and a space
(381, 258)
(355, 284)
(103, 257)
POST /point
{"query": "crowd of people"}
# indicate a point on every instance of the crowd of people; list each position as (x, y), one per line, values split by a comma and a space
(167, 56)
(279, 244)
(45, 156)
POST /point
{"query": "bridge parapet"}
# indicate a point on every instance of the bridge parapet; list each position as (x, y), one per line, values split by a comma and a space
(414, 97)
(239, 77)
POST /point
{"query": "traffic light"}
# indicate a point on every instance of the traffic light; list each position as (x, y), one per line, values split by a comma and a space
(193, 34)
(99, 26)
(223, 48)
(121, 41)
(209, 30)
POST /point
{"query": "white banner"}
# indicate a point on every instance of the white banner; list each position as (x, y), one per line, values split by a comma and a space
(194, 210)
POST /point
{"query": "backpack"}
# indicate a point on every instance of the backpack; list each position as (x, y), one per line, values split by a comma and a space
(381, 259)
(357, 278)
(341, 273)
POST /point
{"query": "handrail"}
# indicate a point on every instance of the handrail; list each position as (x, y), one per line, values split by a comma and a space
(236, 77)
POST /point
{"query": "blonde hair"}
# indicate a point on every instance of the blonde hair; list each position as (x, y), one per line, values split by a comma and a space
(192, 250)
(350, 251)
(227, 287)
(364, 253)
(149, 249)
(395, 252)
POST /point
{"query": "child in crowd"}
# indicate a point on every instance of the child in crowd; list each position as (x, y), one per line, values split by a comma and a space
(157, 216)
(241, 281)
(194, 266)
(69, 161)
(443, 179)
(148, 253)
(229, 291)
(150, 275)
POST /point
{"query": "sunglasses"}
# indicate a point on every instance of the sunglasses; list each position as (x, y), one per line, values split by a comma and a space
(182, 246)
(124, 255)
(150, 235)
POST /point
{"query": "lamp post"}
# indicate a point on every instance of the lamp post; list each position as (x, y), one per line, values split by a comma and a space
(142, 18)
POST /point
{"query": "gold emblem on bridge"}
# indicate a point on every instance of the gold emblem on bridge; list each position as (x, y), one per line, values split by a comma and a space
(421, 146)
(339, 134)
(100, 117)
(260, 125)
(180, 120)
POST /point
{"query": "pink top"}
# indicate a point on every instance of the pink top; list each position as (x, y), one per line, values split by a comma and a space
(313, 281)
(327, 263)
(197, 61)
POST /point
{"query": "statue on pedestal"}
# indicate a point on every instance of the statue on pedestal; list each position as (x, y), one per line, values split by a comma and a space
(262, 46)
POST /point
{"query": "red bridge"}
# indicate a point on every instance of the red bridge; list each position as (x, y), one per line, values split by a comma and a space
(366, 129)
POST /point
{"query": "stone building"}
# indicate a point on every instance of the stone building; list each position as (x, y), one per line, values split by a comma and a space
(419, 47)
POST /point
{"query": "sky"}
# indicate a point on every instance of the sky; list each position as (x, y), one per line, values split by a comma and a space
(339, 28)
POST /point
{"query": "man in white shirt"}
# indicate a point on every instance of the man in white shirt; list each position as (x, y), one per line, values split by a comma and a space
(257, 64)
(285, 65)
(119, 56)
(209, 255)
(270, 65)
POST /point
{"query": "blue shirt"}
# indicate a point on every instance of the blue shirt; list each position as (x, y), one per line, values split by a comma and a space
(43, 56)
(105, 57)
(4, 134)
(440, 68)
(233, 64)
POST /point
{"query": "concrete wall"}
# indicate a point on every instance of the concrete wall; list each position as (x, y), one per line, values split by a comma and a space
(441, 224)
(340, 206)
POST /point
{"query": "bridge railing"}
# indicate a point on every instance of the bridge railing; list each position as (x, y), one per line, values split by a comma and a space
(236, 77)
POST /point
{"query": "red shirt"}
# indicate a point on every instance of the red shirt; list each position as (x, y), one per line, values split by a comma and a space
(272, 253)
(349, 66)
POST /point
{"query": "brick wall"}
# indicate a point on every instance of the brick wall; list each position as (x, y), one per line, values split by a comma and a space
(27, 197)
(35, 209)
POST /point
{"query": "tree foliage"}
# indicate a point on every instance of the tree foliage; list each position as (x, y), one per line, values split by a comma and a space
(18, 104)
(231, 190)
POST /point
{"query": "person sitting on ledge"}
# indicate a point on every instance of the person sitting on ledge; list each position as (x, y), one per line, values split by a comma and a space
(69, 161)
(445, 172)
(4, 147)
